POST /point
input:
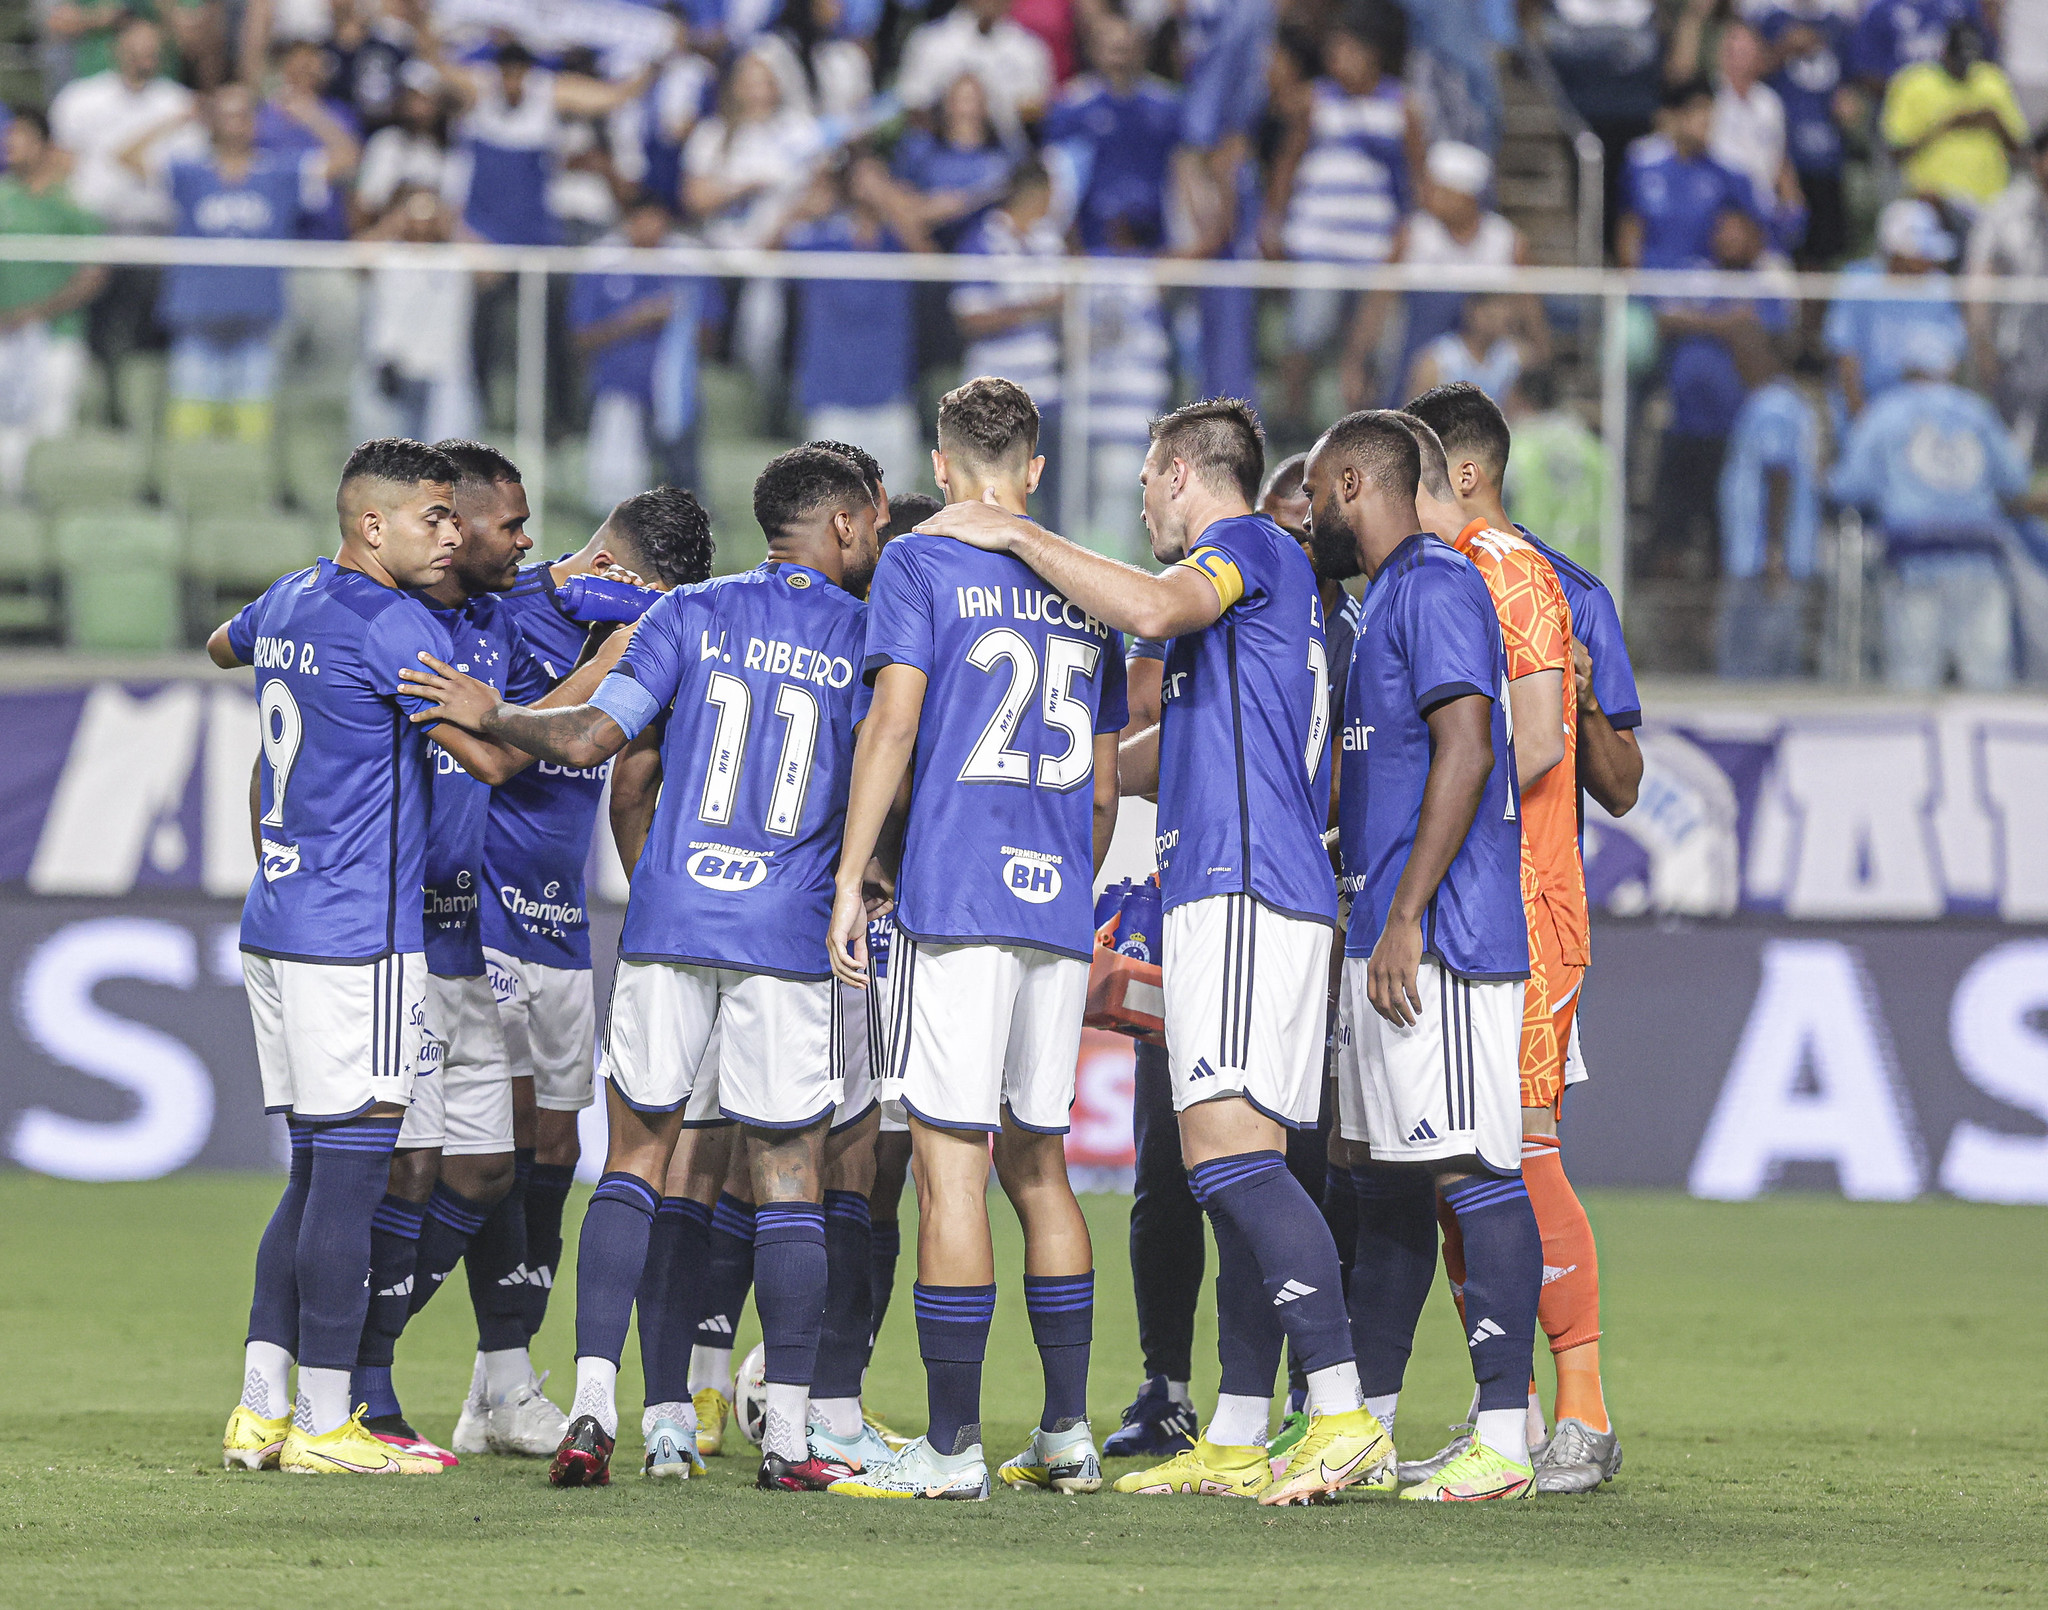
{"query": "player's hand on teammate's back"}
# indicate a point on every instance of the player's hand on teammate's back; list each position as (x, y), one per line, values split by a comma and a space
(846, 941)
(878, 889)
(1582, 676)
(979, 525)
(459, 699)
(1390, 972)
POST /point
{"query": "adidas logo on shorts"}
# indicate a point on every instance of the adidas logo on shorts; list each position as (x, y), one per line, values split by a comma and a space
(1420, 1133)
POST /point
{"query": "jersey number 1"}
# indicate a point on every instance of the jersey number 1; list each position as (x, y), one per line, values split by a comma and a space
(798, 708)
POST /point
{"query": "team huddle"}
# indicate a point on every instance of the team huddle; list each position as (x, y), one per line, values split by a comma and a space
(863, 792)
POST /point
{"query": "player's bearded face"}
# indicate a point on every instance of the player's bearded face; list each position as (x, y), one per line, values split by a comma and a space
(1332, 545)
(863, 552)
(494, 536)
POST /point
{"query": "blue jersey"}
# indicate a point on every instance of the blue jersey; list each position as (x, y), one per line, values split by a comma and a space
(1597, 624)
(537, 837)
(1000, 845)
(485, 642)
(1677, 198)
(758, 674)
(1428, 633)
(1224, 45)
(1122, 147)
(1244, 735)
(345, 776)
(1897, 33)
(270, 202)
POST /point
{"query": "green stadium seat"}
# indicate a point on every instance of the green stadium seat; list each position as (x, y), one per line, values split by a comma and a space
(24, 546)
(218, 477)
(122, 605)
(137, 537)
(246, 553)
(88, 469)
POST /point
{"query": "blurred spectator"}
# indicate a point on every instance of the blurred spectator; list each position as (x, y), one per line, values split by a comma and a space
(1894, 34)
(411, 150)
(1130, 384)
(1749, 133)
(978, 37)
(1806, 39)
(1770, 529)
(414, 377)
(1060, 24)
(1116, 129)
(97, 118)
(1675, 191)
(299, 119)
(1484, 350)
(638, 336)
(1452, 44)
(42, 330)
(856, 346)
(1342, 178)
(961, 170)
(194, 35)
(1953, 123)
(827, 76)
(1868, 338)
(1557, 474)
(1609, 61)
(1011, 327)
(371, 47)
(2023, 52)
(223, 321)
(652, 130)
(584, 188)
(2011, 338)
(1936, 468)
(1451, 229)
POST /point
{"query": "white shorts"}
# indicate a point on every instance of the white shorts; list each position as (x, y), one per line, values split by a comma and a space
(549, 1019)
(1450, 1086)
(463, 1102)
(1247, 1006)
(334, 1039)
(975, 1028)
(704, 1110)
(778, 1063)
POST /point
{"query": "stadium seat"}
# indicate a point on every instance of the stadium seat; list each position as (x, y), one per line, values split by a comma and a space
(218, 477)
(246, 552)
(27, 598)
(120, 579)
(727, 470)
(88, 469)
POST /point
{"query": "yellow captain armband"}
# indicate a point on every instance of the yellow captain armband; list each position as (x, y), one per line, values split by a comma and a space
(1222, 572)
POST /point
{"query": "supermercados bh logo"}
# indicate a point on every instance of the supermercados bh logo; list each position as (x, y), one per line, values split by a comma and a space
(1031, 875)
(723, 866)
(279, 860)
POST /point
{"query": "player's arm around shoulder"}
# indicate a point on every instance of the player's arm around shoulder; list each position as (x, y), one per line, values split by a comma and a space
(883, 747)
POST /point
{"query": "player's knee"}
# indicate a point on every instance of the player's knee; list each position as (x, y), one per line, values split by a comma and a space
(484, 1177)
(413, 1173)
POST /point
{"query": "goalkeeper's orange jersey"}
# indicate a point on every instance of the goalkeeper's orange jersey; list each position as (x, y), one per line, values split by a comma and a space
(1536, 625)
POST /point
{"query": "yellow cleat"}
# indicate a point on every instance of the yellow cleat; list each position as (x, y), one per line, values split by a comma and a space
(714, 1409)
(252, 1442)
(1477, 1474)
(896, 1440)
(1339, 1451)
(349, 1450)
(1207, 1470)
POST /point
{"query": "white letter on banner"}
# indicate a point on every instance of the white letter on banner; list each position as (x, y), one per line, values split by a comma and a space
(1864, 846)
(2016, 781)
(1815, 1014)
(172, 1089)
(2003, 1055)
(227, 858)
(119, 792)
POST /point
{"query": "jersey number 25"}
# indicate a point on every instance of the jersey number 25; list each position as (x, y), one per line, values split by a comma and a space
(992, 760)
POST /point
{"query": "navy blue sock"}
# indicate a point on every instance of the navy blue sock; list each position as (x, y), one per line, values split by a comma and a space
(789, 1287)
(394, 1246)
(610, 1255)
(274, 1305)
(452, 1219)
(1503, 1280)
(1062, 1310)
(728, 1271)
(952, 1337)
(1340, 1213)
(849, 1297)
(1297, 1262)
(370, 1385)
(351, 1167)
(1248, 1334)
(1393, 1264)
(495, 1263)
(667, 1296)
(1167, 1245)
(547, 1190)
(885, 1247)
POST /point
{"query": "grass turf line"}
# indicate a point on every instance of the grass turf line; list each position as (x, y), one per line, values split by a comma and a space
(1821, 1405)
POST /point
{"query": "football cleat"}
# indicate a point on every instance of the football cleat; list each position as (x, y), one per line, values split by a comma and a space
(1337, 1451)
(671, 1448)
(807, 1475)
(849, 1456)
(1478, 1473)
(394, 1432)
(1423, 1469)
(585, 1456)
(525, 1423)
(1207, 1470)
(896, 1440)
(917, 1472)
(1293, 1427)
(473, 1425)
(714, 1410)
(252, 1442)
(1576, 1459)
(350, 1449)
(1154, 1424)
(1063, 1461)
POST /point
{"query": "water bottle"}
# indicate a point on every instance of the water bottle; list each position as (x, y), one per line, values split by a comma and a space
(1138, 923)
(1110, 901)
(589, 599)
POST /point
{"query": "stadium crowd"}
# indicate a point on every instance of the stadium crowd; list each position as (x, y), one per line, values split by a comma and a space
(1897, 135)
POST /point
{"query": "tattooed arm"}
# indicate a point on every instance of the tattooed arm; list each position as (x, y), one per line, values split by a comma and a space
(575, 735)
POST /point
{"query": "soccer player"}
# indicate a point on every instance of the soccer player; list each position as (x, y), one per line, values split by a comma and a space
(536, 950)
(754, 677)
(1004, 701)
(1243, 789)
(332, 936)
(1583, 1450)
(1436, 953)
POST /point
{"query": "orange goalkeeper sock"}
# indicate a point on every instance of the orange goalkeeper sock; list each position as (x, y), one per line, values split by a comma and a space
(1569, 1307)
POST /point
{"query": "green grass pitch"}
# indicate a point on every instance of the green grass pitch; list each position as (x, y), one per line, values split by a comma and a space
(1822, 1405)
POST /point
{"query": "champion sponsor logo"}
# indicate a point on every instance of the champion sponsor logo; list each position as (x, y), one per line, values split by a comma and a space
(1421, 1132)
(1293, 1291)
(440, 904)
(546, 909)
(279, 860)
(1031, 875)
(1552, 1272)
(722, 868)
(1485, 1330)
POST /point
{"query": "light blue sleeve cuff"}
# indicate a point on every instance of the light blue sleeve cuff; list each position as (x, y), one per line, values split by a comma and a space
(626, 702)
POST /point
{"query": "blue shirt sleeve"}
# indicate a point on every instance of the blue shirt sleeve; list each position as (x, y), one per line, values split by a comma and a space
(2009, 475)
(242, 632)
(650, 673)
(1614, 677)
(1146, 648)
(1114, 712)
(1858, 476)
(395, 641)
(899, 615)
(1451, 634)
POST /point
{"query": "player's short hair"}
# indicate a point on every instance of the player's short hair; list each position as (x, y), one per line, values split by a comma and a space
(1435, 473)
(1682, 94)
(988, 420)
(478, 463)
(1468, 423)
(1286, 478)
(33, 117)
(803, 479)
(1221, 438)
(401, 461)
(669, 535)
(869, 466)
(911, 510)
(1380, 445)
